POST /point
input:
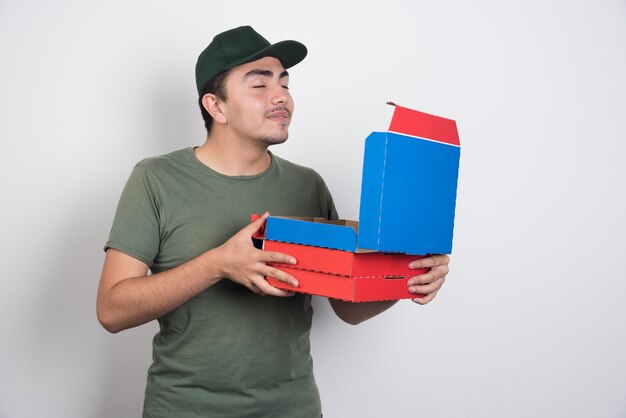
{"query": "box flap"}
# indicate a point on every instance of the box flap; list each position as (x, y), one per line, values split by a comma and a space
(422, 125)
(408, 188)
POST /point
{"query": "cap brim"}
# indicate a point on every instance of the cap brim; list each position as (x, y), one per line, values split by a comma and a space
(289, 53)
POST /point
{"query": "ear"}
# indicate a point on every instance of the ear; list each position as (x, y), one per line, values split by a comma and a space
(211, 104)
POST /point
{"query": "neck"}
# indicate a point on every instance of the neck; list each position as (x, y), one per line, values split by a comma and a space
(233, 156)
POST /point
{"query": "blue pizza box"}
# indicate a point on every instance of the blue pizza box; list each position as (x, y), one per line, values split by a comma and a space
(408, 193)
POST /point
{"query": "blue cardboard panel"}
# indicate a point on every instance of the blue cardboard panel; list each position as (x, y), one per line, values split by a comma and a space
(371, 189)
(311, 233)
(417, 196)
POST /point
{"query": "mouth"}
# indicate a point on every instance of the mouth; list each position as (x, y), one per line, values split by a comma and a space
(279, 115)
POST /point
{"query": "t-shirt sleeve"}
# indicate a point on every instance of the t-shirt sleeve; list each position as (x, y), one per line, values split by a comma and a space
(135, 229)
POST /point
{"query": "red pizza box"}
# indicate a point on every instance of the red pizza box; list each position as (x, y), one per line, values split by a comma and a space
(354, 277)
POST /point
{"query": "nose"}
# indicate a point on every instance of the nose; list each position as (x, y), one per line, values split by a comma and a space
(280, 95)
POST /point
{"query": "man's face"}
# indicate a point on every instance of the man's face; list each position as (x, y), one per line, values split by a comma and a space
(258, 104)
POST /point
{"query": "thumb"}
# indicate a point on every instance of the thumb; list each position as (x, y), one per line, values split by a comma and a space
(256, 225)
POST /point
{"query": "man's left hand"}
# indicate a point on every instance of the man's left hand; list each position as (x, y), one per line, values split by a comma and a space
(429, 283)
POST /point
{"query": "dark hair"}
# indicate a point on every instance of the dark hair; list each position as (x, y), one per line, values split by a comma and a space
(216, 86)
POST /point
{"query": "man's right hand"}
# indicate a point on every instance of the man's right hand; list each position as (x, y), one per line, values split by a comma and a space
(128, 297)
(244, 264)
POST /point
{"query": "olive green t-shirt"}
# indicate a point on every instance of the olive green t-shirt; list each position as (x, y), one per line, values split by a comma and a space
(227, 352)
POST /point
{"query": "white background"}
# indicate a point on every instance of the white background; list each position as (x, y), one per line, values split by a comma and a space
(531, 320)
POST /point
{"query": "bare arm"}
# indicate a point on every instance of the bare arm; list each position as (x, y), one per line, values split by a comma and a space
(355, 313)
(427, 284)
(127, 297)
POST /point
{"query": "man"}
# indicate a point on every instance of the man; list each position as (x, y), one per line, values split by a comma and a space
(223, 349)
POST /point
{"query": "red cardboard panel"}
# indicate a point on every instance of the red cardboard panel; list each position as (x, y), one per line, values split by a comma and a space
(315, 283)
(382, 264)
(346, 263)
(414, 123)
(314, 258)
(355, 289)
(381, 288)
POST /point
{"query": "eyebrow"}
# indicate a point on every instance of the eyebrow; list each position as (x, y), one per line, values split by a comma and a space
(265, 73)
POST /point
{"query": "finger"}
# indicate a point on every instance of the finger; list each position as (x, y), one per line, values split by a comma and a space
(428, 277)
(255, 289)
(430, 261)
(428, 288)
(268, 289)
(425, 299)
(274, 257)
(280, 275)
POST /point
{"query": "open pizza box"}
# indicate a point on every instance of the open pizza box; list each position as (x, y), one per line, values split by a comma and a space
(408, 198)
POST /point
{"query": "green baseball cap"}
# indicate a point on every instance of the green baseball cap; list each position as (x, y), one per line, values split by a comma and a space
(239, 46)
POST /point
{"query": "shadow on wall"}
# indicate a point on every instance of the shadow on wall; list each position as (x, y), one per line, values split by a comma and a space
(177, 121)
(127, 360)
(76, 353)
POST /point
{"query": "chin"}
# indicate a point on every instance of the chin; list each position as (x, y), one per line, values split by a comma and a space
(273, 140)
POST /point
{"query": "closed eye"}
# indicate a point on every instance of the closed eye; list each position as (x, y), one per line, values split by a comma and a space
(258, 87)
